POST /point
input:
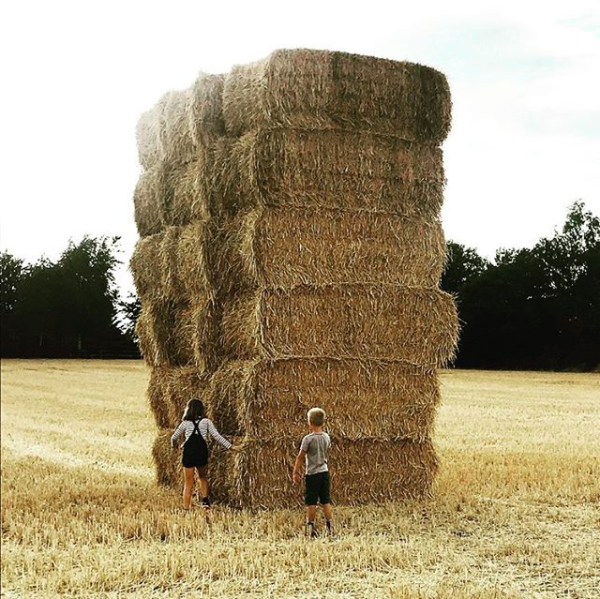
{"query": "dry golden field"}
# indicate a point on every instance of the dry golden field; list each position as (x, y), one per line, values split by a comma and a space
(516, 511)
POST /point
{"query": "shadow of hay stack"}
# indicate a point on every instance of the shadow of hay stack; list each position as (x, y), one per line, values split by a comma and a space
(290, 255)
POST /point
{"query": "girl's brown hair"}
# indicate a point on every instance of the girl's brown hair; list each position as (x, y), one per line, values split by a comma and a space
(194, 410)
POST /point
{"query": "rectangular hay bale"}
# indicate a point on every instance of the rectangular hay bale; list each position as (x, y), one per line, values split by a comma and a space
(259, 476)
(329, 169)
(268, 399)
(174, 264)
(415, 325)
(319, 89)
(173, 194)
(181, 123)
(286, 247)
(179, 333)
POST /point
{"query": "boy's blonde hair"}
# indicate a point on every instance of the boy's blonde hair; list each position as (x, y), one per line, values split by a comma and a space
(316, 416)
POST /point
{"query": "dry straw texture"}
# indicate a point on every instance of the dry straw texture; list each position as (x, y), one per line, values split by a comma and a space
(174, 264)
(173, 194)
(330, 169)
(181, 123)
(287, 247)
(319, 89)
(259, 475)
(179, 334)
(170, 389)
(417, 325)
(270, 399)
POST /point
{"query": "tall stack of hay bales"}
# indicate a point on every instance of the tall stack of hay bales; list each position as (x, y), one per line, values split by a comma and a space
(324, 265)
(176, 213)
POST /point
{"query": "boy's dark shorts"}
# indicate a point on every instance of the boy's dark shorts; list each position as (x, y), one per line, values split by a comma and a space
(317, 488)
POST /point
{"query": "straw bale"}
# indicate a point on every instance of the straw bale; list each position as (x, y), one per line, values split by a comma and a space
(183, 384)
(269, 399)
(145, 266)
(285, 247)
(178, 142)
(318, 89)
(174, 194)
(194, 255)
(158, 396)
(259, 476)
(179, 333)
(148, 201)
(149, 135)
(173, 264)
(206, 108)
(329, 169)
(416, 325)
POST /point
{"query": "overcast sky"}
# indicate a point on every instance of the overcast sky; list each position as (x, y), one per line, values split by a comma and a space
(524, 76)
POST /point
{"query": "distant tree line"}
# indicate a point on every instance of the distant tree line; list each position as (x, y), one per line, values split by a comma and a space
(535, 308)
(65, 309)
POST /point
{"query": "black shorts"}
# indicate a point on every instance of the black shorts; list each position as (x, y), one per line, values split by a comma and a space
(317, 488)
(193, 459)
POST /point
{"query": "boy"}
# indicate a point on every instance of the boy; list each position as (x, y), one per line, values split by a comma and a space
(313, 451)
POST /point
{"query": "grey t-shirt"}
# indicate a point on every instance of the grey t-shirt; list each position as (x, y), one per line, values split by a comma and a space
(316, 445)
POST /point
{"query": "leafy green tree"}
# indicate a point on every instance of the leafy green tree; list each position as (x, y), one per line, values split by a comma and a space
(537, 308)
(68, 308)
(463, 265)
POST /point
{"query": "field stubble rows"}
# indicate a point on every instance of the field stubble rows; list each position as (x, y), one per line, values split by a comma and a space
(515, 514)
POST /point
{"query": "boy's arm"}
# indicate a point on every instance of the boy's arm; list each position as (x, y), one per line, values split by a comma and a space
(298, 466)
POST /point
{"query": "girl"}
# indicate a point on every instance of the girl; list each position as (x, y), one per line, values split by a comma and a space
(196, 427)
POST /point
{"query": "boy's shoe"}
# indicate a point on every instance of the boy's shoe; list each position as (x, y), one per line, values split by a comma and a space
(329, 529)
(311, 530)
(205, 503)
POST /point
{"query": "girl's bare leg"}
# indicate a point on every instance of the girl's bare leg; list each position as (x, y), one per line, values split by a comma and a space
(187, 487)
(202, 474)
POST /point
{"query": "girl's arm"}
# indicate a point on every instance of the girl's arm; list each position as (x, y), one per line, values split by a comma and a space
(178, 432)
(214, 433)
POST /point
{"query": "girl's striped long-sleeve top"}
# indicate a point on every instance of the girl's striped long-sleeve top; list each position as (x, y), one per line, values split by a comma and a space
(206, 428)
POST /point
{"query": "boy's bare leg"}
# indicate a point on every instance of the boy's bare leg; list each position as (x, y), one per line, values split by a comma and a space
(328, 513)
(187, 487)
(311, 513)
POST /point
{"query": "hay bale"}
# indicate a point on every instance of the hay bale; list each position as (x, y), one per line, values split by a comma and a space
(317, 89)
(174, 194)
(181, 123)
(206, 108)
(148, 200)
(179, 144)
(194, 258)
(275, 247)
(145, 267)
(149, 131)
(169, 390)
(158, 396)
(179, 333)
(261, 399)
(183, 384)
(416, 325)
(173, 264)
(329, 169)
(259, 476)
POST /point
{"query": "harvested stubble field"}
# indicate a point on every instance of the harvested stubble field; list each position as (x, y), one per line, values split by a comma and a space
(516, 511)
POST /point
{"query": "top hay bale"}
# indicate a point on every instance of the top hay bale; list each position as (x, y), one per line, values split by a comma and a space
(316, 89)
(181, 123)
